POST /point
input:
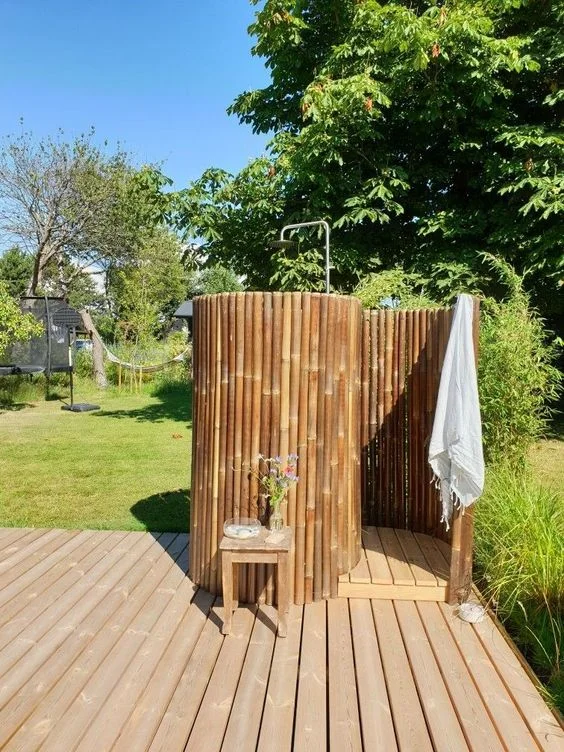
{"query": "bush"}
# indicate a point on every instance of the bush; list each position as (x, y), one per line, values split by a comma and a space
(516, 375)
(519, 558)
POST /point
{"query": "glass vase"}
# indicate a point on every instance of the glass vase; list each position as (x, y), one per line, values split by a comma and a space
(276, 521)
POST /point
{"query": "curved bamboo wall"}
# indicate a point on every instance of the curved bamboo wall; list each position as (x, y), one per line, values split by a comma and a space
(274, 374)
(402, 356)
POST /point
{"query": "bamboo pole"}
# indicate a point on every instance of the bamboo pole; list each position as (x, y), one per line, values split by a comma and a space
(365, 416)
(266, 413)
(216, 521)
(323, 520)
(295, 383)
(318, 560)
(402, 333)
(301, 490)
(373, 418)
(422, 460)
(311, 445)
(209, 443)
(277, 324)
(388, 418)
(231, 326)
(460, 581)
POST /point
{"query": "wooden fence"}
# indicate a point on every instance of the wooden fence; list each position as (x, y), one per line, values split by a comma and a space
(274, 374)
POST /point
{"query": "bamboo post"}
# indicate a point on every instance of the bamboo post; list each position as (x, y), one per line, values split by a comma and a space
(311, 446)
(460, 582)
(301, 490)
(334, 325)
(277, 324)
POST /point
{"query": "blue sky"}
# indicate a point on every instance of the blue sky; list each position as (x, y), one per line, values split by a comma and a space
(156, 76)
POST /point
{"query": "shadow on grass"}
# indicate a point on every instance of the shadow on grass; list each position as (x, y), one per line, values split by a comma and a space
(175, 403)
(14, 406)
(164, 512)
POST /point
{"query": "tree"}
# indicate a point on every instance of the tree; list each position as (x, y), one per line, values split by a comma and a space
(148, 288)
(423, 131)
(215, 279)
(14, 325)
(16, 268)
(76, 209)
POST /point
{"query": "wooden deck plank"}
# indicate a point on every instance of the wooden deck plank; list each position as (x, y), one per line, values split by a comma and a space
(176, 724)
(22, 542)
(311, 707)
(213, 715)
(391, 592)
(19, 563)
(375, 556)
(11, 539)
(375, 713)
(92, 697)
(442, 721)
(439, 565)
(507, 719)
(244, 721)
(140, 729)
(360, 573)
(44, 634)
(542, 723)
(409, 721)
(422, 572)
(278, 717)
(43, 700)
(107, 724)
(400, 569)
(478, 728)
(18, 594)
(344, 721)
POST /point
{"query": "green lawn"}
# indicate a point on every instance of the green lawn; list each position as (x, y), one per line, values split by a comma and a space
(125, 467)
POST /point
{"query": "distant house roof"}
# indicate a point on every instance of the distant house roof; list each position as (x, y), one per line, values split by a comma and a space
(184, 310)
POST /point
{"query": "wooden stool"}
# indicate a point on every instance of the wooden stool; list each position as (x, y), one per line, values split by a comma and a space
(255, 551)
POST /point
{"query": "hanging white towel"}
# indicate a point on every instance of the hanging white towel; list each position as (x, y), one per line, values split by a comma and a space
(455, 451)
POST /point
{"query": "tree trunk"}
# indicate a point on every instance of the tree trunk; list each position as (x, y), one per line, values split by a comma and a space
(98, 369)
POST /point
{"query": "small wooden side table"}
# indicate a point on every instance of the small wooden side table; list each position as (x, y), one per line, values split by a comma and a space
(255, 551)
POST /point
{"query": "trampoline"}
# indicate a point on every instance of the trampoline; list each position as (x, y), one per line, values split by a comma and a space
(51, 351)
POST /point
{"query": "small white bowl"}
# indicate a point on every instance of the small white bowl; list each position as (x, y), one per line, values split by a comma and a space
(241, 528)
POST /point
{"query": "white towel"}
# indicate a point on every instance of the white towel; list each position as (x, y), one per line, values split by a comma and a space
(455, 451)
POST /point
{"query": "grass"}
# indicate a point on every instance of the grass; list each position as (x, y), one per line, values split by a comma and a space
(519, 557)
(125, 467)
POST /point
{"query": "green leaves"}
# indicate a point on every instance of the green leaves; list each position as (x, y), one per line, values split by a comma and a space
(424, 132)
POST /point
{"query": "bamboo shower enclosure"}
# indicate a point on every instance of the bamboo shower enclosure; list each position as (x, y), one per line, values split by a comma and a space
(351, 392)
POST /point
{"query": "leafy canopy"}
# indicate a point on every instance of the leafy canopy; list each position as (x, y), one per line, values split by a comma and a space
(424, 132)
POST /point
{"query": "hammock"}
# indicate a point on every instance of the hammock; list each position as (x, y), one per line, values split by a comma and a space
(153, 368)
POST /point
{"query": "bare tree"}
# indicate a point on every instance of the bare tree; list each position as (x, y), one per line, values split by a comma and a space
(67, 205)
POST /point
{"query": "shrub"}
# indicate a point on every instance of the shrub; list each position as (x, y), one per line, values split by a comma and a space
(519, 557)
(516, 375)
(393, 288)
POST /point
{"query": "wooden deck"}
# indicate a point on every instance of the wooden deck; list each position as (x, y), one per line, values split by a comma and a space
(399, 565)
(106, 644)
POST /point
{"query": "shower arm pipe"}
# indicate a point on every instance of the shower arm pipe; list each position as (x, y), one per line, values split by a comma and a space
(320, 223)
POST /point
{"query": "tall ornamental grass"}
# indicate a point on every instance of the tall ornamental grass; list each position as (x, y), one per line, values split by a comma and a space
(519, 562)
